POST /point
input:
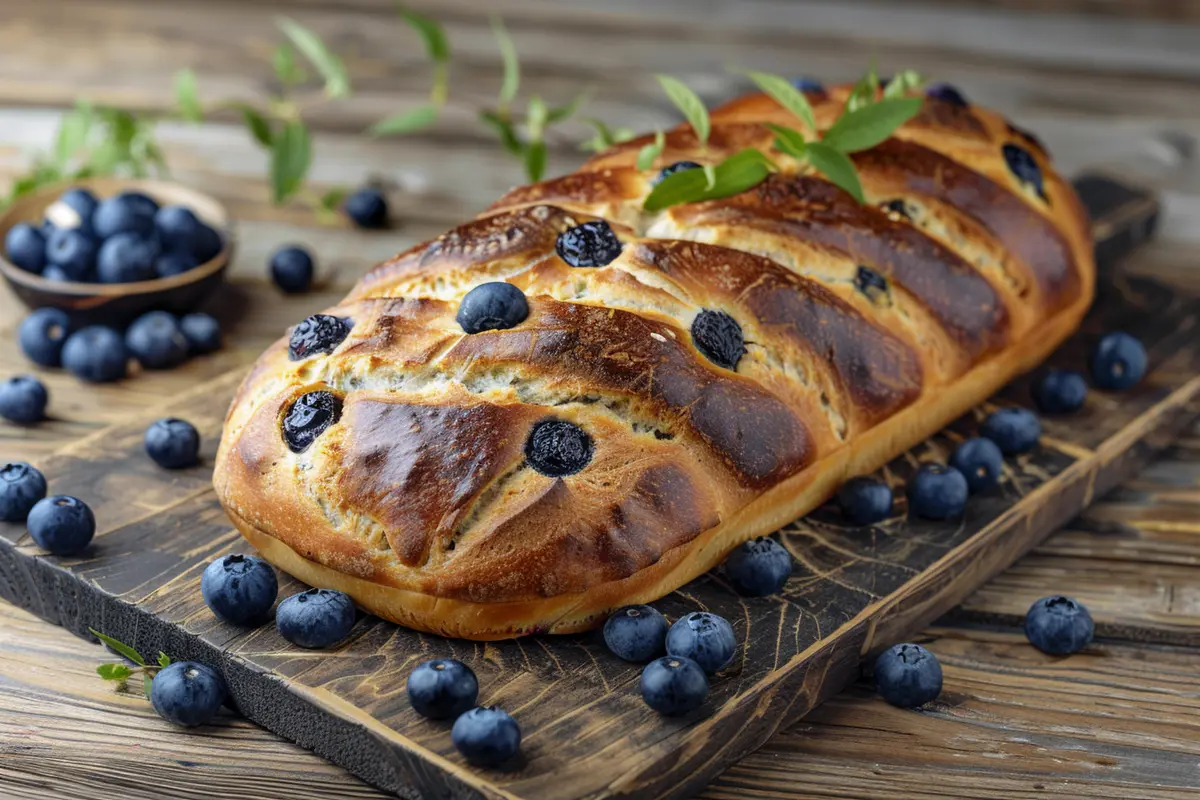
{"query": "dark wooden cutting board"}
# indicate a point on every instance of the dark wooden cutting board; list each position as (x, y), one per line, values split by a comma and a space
(586, 732)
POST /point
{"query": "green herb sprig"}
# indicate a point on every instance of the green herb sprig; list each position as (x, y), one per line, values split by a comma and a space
(121, 673)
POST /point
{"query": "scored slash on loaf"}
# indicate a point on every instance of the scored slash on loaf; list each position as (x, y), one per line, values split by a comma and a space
(680, 381)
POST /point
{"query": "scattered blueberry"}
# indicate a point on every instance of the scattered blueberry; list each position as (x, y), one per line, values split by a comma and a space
(172, 443)
(26, 247)
(96, 354)
(61, 524)
(73, 210)
(980, 462)
(23, 399)
(1059, 625)
(187, 693)
(73, 252)
(320, 333)
(806, 84)
(908, 675)
(865, 501)
(671, 169)
(1024, 167)
(557, 448)
(178, 228)
(202, 331)
(1118, 362)
(946, 92)
(315, 618)
(126, 257)
(21, 487)
(719, 338)
(937, 492)
(128, 212)
(292, 269)
(636, 633)
(442, 689)
(492, 306)
(239, 589)
(155, 340)
(704, 638)
(592, 244)
(1059, 391)
(208, 244)
(42, 334)
(308, 418)
(674, 685)
(759, 567)
(174, 262)
(367, 208)
(487, 737)
(1014, 430)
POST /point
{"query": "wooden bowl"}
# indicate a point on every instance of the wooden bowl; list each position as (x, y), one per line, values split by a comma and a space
(118, 303)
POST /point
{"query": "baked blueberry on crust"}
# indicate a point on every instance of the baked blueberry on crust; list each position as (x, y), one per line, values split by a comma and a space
(320, 333)
(308, 418)
(592, 244)
(557, 448)
(719, 338)
(671, 169)
(896, 208)
(494, 306)
(946, 92)
(1024, 167)
(871, 283)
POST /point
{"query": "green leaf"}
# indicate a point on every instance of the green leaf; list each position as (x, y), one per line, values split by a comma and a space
(837, 167)
(257, 124)
(902, 83)
(72, 133)
(783, 92)
(120, 647)
(650, 152)
(431, 33)
(291, 154)
(504, 129)
(866, 127)
(535, 118)
(790, 141)
(562, 113)
(512, 64)
(535, 160)
(284, 62)
(405, 121)
(710, 177)
(741, 171)
(337, 81)
(164, 660)
(147, 684)
(604, 136)
(689, 103)
(186, 96)
(113, 672)
(863, 93)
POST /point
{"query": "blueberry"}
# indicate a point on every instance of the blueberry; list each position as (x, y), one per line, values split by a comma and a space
(806, 84)
(52, 272)
(73, 252)
(908, 675)
(172, 443)
(704, 638)
(556, 448)
(292, 269)
(865, 501)
(1024, 167)
(96, 354)
(315, 618)
(1059, 625)
(187, 693)
(177, 228)
(42, 334)
(759, 567)
(367, 208)
(174, 263)
(894, 208)
(320, 333)
(1014, 430)
(636, 633)
(130, 212)
(1118, 362)
(671, 169)
(126, 257)
(486, 737)
(61, 524)
(1059, 391)
(871, 283)
(73, 210)
(947, 93)
(202, 331)
(442, 688)
(155, 340)
(239, 589)
(980, 462)
(26, 247)
(674, 685)
(719, 338)
(23, 399)
(208, 244)
(937, 492)
(308, 418)
(592, 244)
(494, 306)
(21, 486)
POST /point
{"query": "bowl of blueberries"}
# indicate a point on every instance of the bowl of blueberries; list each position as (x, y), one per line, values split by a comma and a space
(109, 249)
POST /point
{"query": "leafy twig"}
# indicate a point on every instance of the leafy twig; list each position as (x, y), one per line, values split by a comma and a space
(120, 673)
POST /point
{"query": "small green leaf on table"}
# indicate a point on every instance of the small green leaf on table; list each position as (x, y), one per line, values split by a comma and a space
(504, 129)
(186, 96)
(535, 160)
(72, 133)
(286, 68)
(291, 155)
(512, 65)
(406, 121)
(257, 124)
(113, 672)
(120, 647)
(331, 68)
(431, 33)
(164, 660)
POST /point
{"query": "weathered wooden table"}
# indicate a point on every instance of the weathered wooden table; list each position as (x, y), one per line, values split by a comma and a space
(1116, 92)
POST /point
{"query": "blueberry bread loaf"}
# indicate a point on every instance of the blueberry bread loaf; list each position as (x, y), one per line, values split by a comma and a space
(571, 404)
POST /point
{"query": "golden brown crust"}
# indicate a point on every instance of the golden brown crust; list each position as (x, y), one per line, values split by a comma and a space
(420, 500)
